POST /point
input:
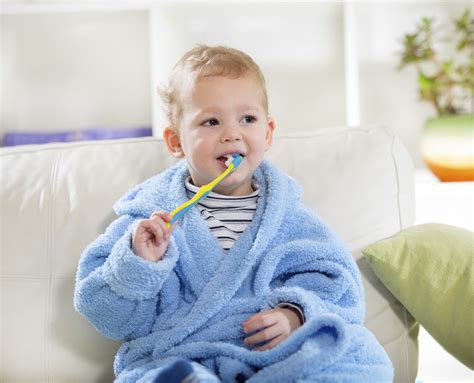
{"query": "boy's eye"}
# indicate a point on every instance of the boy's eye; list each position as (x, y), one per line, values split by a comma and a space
(211, 122)
(249, 119)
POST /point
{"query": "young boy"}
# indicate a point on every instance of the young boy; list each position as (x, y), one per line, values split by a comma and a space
(249, 285)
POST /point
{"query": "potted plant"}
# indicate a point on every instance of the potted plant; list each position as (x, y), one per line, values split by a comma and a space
(447, 140)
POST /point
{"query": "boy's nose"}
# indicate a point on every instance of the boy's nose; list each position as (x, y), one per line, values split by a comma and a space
(231, 136)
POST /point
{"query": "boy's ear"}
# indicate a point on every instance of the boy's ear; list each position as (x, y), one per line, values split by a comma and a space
(173, 142)
(270, 130)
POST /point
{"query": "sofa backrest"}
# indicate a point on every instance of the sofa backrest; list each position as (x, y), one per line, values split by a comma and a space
(57, 198)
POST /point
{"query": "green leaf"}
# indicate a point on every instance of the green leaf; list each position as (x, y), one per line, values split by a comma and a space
(426, 84)
(426, 23)
(447, 65)
(449, 75)
(409, 38)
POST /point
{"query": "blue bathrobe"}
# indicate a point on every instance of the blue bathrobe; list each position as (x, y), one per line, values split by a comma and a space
(191, 303)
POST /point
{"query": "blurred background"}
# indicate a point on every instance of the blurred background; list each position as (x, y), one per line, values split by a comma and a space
(89, 70)
(67, 66)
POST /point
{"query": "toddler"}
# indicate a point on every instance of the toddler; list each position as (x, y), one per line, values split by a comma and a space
(249, 285)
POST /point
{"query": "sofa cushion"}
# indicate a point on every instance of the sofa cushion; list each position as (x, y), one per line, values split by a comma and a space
(57, 198)
(429, 269)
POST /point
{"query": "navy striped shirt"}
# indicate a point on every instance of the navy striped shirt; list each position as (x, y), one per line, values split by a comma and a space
(226, 216)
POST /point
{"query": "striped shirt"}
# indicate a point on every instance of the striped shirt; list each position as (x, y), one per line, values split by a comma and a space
(226, 216)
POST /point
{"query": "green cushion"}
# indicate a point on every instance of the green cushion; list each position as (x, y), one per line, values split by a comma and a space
(429, 269)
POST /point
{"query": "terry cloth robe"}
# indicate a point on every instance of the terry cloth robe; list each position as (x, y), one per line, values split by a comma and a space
(192, 302)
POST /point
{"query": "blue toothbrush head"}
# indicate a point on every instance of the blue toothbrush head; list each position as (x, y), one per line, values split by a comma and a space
(237, 159)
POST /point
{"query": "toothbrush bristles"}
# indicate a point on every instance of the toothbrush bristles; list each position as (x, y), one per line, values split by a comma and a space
(230, 158)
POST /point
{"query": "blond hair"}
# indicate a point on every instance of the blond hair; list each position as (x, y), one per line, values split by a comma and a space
(206, 61)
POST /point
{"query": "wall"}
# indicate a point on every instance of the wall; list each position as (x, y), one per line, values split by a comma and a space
(299, 47)
(64, 71)
(92, 65)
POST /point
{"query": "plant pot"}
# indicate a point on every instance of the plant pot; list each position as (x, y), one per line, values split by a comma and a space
(447, 147)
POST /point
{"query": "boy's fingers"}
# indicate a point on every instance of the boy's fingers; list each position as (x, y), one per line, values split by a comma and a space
(165, 216)
(140, 228)
(159, 216)
(252, 319)
(263, 336)
(164, 229)
(169, 218)
(271, 344)
(162, 214)
(154, 228)
(162, 219)
(144, 231)
(147, 225)
(259, 322)
(256, 316)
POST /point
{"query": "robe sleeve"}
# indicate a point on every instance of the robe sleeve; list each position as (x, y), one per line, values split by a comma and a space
(116, 290)
(297, 309)
(315, 271)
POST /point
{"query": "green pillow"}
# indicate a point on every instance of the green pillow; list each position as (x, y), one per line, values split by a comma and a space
(428, 268)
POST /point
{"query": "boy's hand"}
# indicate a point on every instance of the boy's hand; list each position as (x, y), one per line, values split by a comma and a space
(151, 236)
(273, 327)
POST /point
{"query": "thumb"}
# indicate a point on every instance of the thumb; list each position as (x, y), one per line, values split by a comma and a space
(168, 218)
(173, 226)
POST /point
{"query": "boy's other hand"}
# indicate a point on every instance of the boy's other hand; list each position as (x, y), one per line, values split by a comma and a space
(272, 326)
(151, 236)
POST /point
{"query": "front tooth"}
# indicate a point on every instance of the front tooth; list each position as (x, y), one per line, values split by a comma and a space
(230, 158)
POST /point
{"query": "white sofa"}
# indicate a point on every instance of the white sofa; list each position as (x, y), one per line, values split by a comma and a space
(57, 198)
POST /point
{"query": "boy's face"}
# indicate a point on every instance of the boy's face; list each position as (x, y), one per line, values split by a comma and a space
(222, 115)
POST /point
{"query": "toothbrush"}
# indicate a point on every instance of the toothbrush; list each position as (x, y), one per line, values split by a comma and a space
(233, 161)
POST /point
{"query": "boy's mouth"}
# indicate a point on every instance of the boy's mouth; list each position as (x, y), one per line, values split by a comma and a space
(226, 159)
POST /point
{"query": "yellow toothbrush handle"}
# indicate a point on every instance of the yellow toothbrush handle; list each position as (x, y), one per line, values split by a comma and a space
(218, 179)
(202, 192)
